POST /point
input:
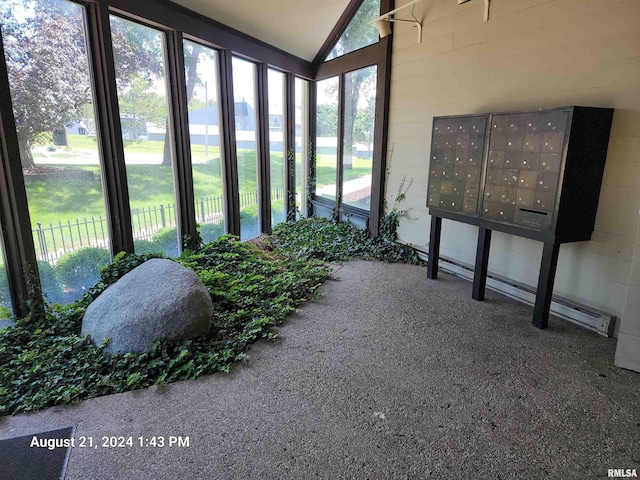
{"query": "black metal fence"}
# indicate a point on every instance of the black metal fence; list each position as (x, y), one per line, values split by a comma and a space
(55, 240)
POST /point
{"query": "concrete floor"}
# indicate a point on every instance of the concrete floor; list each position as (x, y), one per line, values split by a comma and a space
(387, 375)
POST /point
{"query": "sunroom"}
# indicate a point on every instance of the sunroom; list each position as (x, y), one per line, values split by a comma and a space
(150, 126)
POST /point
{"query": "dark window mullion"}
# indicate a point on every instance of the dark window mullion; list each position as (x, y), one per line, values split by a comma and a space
(108, 128)
(290, 146)
(311, 178)
(17, 240)
(228, 141)
(379, 165)
(343, 22)
(340, 149)
(179, 128)
(263, 146)
(381, 128)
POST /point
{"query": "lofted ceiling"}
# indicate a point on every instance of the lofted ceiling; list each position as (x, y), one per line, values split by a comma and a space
(299, 27)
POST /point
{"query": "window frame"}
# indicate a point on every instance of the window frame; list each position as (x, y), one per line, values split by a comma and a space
(222, 127)
(261, 122)
(336, 40)
(176, 23)
(378, 54)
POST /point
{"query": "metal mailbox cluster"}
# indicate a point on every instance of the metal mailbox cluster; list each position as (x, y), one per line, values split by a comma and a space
(535, 174)
(456, 163)
(509, 168)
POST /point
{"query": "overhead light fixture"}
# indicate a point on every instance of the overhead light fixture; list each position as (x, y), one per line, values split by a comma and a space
(384, 28)
(384, 21)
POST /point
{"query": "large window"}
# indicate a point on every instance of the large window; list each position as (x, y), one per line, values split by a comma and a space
(144, 114)
(201, 70)
(244, 89)
(345, 114)
(52, 100)
(277, 153)
(70, 153)
(302, 143)
(327, 137)
(354, 160)
(359, 33)
(359, 120)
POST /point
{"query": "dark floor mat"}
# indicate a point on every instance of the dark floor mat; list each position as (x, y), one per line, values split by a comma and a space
(21, 459)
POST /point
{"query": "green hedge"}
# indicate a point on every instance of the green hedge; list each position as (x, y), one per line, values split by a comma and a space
(211, 231)
(145, 246)
(166, 239)
(80, 269)
(48, 279)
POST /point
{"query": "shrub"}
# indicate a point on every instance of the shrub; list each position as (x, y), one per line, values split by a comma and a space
(50, 283)
(249, 221)
(279, 215)
(145, 246)
(166, 241)
(48, 279)
(211, 231)
(5, 296)
(80, 269)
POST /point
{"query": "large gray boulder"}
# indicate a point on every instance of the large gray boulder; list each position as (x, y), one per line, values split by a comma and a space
(158, 299)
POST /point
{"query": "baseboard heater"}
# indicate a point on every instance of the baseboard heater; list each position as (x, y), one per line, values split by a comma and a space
(600, 322)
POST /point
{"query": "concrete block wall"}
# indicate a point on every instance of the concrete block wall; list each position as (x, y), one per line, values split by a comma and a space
(530, 54)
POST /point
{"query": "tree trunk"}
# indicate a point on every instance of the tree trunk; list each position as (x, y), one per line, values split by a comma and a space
(191, 72)
(26, 157)
(191, 83)
(352, 83)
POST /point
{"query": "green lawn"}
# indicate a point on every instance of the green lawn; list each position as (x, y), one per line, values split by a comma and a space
(65, 199)
(83, 142)
(61, 199)
(55, 155)
(326, 169)
(325, 164)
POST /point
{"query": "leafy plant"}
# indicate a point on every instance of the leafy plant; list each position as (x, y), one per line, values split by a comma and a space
(47, 362)
(311, 176)
(5, 313)
(331, 241)
(291, 164)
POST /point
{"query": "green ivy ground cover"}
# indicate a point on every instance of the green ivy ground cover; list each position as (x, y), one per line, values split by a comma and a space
(320, 238)
(44, 361)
